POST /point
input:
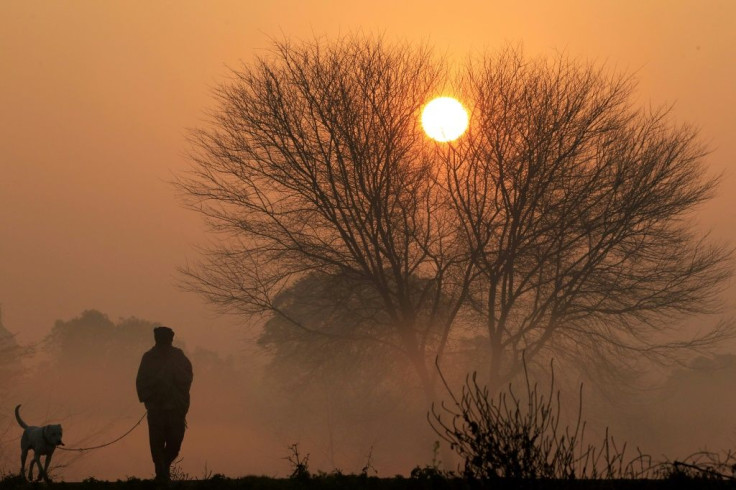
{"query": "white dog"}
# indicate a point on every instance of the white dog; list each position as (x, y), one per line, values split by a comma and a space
(43, 441)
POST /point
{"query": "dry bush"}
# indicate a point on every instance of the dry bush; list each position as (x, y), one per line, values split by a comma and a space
(513, 436)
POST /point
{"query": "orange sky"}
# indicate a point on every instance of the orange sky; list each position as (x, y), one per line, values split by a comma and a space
(96, 98)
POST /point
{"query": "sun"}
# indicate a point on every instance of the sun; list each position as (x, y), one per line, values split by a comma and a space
(444, 119)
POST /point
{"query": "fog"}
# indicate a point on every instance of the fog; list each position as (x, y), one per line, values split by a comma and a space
(246, 411)
(96, 99)
(241, 421)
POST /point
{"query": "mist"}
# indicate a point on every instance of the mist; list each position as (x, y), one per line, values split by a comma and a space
(247, 412)
(97, 102)
(243, 416)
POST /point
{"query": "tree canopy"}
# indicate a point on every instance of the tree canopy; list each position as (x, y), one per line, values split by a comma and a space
(557, 223)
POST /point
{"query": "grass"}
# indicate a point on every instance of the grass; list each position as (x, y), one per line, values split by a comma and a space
(359, 482)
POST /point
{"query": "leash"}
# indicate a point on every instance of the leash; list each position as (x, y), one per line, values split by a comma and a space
(81, 449)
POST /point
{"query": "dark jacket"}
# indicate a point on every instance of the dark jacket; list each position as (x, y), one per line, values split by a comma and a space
(164, 378)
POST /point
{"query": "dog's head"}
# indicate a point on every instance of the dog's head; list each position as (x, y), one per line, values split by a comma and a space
(52, 434)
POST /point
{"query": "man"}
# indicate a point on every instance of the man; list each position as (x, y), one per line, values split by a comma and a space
(163, 382)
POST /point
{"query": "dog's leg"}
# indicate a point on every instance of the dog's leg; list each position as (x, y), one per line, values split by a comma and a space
(46, 467)
(34, 461)
(40, 475)
(23, 456)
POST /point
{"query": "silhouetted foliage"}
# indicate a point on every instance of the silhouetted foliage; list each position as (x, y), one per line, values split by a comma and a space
(523, 437)
(702, 465)
(432, 471)
(299, 463)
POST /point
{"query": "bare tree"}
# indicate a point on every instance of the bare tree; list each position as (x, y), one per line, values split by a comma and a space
(574, 208)
(556, 224)
(315, 163)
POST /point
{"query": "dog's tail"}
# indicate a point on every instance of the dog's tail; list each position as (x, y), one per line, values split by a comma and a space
(20, 420)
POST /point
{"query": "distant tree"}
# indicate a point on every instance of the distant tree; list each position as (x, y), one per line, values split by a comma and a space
(93, 341)
(343, 342)
(557, 224)
(338, 380)
(11, 354)
(88, 363)
(12, 357)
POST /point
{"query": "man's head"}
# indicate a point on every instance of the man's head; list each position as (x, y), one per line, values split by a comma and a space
(163, 335)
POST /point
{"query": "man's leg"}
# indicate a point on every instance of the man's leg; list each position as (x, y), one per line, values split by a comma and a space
(157, 440)
(174, 436)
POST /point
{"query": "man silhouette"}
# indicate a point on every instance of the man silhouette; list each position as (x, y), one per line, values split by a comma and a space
(163, 382)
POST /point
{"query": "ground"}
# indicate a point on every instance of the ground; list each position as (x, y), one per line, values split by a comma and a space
(334, 482)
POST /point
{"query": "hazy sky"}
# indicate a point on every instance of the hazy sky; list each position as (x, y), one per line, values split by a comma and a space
(96, 98)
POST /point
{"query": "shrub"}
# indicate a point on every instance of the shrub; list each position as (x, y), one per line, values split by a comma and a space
(522, 437)
(299, 464)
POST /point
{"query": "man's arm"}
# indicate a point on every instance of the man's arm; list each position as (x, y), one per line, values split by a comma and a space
(186, 372)
(145, 381)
